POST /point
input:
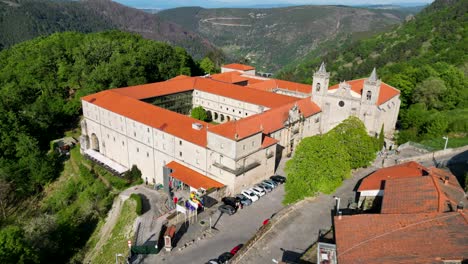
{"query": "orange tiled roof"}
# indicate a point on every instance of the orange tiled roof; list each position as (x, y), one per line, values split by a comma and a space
(271, 84)
(410, 196)
(238, 66)
(229, 77)
(376, 180)
(387, 92)
(401, 238)
(191, 177)
(268, 141)
(153, 116)
(268, 121)
(180, 77)
(171, 86)
(242, 93)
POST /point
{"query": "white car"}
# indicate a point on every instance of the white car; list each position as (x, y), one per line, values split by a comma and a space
(258, 191)
(249, 194)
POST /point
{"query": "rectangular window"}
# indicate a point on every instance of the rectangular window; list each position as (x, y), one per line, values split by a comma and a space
(147, 154)
(180, 142)
(180, 154)
(222, 145)
(138, 149)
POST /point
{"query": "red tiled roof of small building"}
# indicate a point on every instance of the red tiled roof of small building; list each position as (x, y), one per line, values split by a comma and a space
(171, 122)
(191, 177)
(376, 180)
(387, 92)
(402, 238)
(238, 66)
(410, 196)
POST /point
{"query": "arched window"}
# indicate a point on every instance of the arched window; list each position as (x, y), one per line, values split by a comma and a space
(317, 87)
(369, 95)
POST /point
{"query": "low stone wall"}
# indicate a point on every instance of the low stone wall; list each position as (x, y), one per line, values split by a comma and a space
(435, 154)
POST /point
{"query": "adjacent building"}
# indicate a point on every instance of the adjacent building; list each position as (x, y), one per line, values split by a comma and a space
(256, 121)
(421, 219)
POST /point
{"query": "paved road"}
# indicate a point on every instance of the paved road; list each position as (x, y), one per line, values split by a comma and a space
(292, 235)
(232, 230)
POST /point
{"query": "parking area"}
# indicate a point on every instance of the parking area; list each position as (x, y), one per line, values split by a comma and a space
(229, 231)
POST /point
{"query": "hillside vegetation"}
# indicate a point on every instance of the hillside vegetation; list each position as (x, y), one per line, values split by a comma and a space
(272, 37)
(425, 58)
(22, 20)
(41, 82)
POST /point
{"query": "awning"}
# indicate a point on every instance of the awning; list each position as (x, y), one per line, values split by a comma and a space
(98, 157)
(192, 178)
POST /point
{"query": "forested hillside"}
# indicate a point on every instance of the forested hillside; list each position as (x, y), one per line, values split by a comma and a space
(426, 58)
(22, 20)
(272, 37)
(41, 82)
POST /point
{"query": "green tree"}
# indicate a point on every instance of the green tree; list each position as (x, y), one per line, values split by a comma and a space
(381, 141)
(207, 65)
(319, 164)
(199, 113)
(430, 93)
(13, 247)
(134, 174)
(352, 134)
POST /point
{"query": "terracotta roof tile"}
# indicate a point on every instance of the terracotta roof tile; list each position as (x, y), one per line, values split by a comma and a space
(153, 116)
(268, 121)
(268, 141)
(238, 66)
(410, 195)
(191, 177)
(401, 238)
(157, 89)
(271, 84)
(241, 93)
(387, 92)
(229, 77)
(376, 180)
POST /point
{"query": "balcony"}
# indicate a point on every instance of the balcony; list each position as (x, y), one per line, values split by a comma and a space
(238, 171)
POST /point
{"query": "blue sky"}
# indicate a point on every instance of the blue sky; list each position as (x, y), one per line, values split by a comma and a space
(227, 3)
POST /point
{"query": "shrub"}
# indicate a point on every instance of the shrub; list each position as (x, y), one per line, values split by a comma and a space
(139, 203)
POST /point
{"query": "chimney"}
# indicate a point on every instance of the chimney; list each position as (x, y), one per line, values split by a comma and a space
(446, 180)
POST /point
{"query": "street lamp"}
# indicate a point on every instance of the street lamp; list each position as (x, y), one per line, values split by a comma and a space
(117, 257)
(337, 204)
(446, 141)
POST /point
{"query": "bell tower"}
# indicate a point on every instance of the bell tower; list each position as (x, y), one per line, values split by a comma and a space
(320, 81)
(371, 89)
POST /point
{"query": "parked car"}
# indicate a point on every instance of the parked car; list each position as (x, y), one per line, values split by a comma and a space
(232, 201)
(243, 199)
(265, 187)
(270, 183)
(225, 257)
(227, 209)
(235, 249)
(249, 194)
(258, 191)
(212, 261)
(278, 179)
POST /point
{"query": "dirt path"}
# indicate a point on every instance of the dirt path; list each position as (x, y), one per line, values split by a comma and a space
(106, 229)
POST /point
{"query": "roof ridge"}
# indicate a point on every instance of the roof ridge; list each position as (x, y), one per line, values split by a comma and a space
(439, 193)
(446, 215)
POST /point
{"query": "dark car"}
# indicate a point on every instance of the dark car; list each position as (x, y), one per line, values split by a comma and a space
(235, 249)
(244, 200)
(227, 209)
(225, 257)
(279, 179)
(232, 201)
(265, 187)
